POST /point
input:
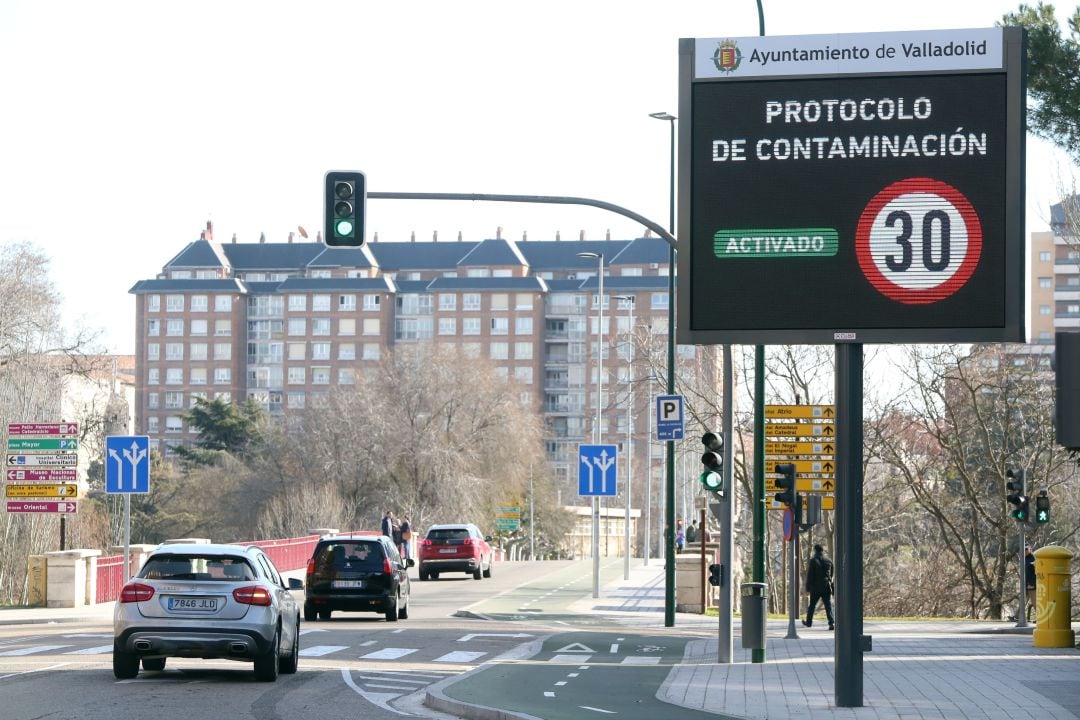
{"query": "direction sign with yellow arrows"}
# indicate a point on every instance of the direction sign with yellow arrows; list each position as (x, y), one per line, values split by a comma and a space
(824, 431)
(802, 466)
(36, 491)
(824, 447)
(825, 412)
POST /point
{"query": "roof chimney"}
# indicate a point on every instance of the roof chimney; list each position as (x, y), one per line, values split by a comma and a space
(412, 237)
(498, 233)
(234, 238)
(290, 238)
(435, 236)
(648, 233)
(581, 235)
(262, 237)
(459, 236)
(209, 230)
(608, 237)
(318, 236)
(558, 236)
(375, 237)
(524, 236)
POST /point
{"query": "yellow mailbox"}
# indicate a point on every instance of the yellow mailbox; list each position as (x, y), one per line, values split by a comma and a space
(1053, 598)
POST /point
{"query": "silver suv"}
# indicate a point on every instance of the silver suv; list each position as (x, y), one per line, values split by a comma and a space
(207, 601)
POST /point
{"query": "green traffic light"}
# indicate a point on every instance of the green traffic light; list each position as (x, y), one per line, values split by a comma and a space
(1043, 516)
(343, 228)
(711, 481)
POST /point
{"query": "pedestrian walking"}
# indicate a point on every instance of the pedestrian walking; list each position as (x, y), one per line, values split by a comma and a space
(692, 532)
(680, 538)
(406, 537)
(1029, 575)
(387, 525)
(819, 583)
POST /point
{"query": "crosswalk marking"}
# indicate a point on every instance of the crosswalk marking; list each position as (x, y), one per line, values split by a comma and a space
(388, 654)
(99, 650)
(320, 650)
(641, 660)
(460, 656)
(32, 649)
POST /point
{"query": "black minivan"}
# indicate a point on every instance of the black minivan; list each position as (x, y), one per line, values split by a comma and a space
(359, 573)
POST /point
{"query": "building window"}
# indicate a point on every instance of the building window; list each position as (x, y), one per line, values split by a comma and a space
(173, 424)
(500, 301)
(153, 376)
(199, 303)
(174, 376)
(346, 351)
(297, 375)
(174, 327)
(659, 300)
(470, 301)
(295, 399)
(320, 351)
(502, 272)
(225, 397)
(199, 351)
(499, 350)
(152, 401)
(297, 350)
(153, 303)
(320, 326)
(222, 351)
(1045, 282)
(470, 326)
(174, 400)
(174, 351)
(371, 302)
(198, 376)
(222, 376)
(1044, 309)
(195, 397)
(523, 326)
(174, 303)
(523, 301)
(346, 302)
(320, 274)
(297, 303)
(1044, 256)
(152, 424)
(447, 301)
(346, 376)
(297, 326)
(346, 326)
(153, 351)
(478, 273)
(198, 327)
(320, 376)
(320, 303)
(372, 351)
(223, 328)
(524, 374)
(523, 351)
(153, 328)
(223, 303)
(447, 326)
(371, 326)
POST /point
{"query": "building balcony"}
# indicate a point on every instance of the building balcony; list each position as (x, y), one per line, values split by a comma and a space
(1066, 322)
(1070, 293)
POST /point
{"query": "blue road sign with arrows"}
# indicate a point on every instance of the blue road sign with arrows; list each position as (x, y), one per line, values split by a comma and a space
(597, 469)
(127, 464)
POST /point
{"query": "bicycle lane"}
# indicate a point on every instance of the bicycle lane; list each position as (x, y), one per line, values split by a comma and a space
(578, 674)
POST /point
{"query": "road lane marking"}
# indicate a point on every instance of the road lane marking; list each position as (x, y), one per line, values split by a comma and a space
(320, 650)
(614, 648)
(570, 658)
(375, 698)
(575, 647)
(548, 693)
(388, 654)
(368, 642)
(572, 674)
(460, 656)
(641, 660)
(561, 682)
(599, 710)
(100, 649)
(34, 670)
(32, 649)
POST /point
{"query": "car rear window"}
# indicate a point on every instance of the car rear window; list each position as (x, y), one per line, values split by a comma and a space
(448, 534)
(197, 567)
(362, 555)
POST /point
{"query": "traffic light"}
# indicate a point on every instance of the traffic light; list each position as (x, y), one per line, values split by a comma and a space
(1042, 507)
(716, 575)
(1017, 494)
(712, 479)
(345, 198)
(786, 483)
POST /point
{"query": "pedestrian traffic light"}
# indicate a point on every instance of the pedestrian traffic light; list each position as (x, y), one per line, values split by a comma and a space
(712, 479)
(716, 575)
(1017, 494)
(345, 199)
(1042, 507)
(786, 483)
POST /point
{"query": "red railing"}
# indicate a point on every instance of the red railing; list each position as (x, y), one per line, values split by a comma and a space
(110, 577)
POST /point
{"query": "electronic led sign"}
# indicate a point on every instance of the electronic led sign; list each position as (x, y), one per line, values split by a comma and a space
(852, 188)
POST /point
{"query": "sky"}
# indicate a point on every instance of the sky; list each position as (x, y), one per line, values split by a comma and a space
(128, 125)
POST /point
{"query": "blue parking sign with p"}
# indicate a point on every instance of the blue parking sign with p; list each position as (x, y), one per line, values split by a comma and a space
(127, 464)
(670, 420)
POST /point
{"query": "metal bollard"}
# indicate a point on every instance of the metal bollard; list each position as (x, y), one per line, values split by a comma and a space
(754, 596)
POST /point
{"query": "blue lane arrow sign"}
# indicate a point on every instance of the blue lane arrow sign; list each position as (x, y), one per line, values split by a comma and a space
(597, 469)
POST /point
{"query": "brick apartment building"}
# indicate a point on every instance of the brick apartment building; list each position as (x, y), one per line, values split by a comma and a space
(285, 323)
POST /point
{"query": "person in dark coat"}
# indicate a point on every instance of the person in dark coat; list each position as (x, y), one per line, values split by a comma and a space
(819, 583)
(1029, 575)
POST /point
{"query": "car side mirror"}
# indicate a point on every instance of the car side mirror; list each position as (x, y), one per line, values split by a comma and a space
(296, 584)
(409, 562)
(488, 538)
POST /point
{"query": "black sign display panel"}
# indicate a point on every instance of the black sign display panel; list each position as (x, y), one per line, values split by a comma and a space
(873, 208)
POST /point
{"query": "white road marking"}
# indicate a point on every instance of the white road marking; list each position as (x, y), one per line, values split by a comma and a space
(570, 658)
(641, 660)
(100, 649)
(398, 630)
(572, 674)
(460, 656)
(26, 672)
(575, 647)
(32, 649)
(391, 687)
(320, 650)
(393, 678)
(561, 682)
(82, 635)
(368, 642)
(614, 648)
(599, 710)
(470, 636)
(548, 693)
(379, 699)
(388, 654)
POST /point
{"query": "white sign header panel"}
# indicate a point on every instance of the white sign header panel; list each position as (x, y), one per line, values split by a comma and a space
(849, 53)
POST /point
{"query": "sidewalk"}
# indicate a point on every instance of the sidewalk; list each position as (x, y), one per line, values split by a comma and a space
(944, 669)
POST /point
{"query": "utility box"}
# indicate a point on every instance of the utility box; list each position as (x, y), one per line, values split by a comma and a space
(1053, 598)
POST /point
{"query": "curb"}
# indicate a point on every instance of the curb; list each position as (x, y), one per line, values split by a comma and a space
(436, 699)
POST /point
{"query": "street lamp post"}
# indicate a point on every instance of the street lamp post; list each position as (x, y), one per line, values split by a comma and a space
(669, 490)
(648, 474)
(597, 434)
(629, 300)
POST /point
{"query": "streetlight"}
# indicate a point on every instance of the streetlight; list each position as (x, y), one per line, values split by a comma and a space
(597, 435)
(669, 540)
(629, 301)
(648, 475)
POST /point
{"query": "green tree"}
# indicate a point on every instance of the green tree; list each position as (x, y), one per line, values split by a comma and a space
(224, 428)
(1053, 75)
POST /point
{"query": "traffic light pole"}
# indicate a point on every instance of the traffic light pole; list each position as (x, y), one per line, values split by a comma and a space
(1021, 565)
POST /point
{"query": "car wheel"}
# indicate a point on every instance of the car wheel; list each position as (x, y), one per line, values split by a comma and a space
(324, 614)
(125, 665)
(155, 664)
(434, 576)
(487, 573)
(310, 614)
(424, 576)
(391, 610)
(290, 662)
(478, 573)
(403, 610)
(266, 665)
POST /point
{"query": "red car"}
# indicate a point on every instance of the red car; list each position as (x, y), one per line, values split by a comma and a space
(455, 548)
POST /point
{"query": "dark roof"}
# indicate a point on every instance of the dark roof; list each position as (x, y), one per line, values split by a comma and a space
(271, 256)
(642, 251)
(412, 286)
(1064, 214)
(627, 282)
(197, 254)
(487, 283)
(299, 284)
(562, 254)
(342, 257)
(564, 285)
(263, 288)
(492, 252)
(167, 285)
(392, 256)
